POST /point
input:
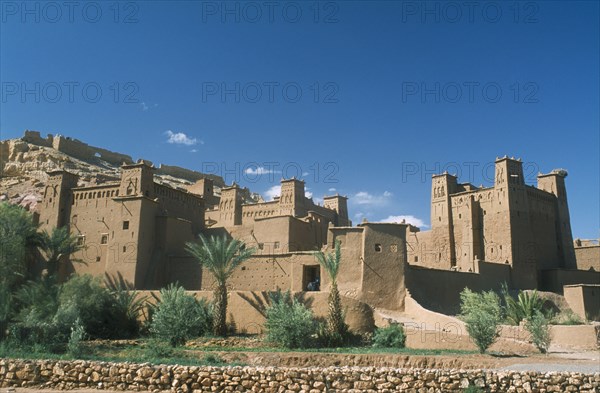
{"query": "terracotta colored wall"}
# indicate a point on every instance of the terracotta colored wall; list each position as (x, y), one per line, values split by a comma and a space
(245, 309)
(584, 300)
(554, 280)
(588, 257)
(439, 290)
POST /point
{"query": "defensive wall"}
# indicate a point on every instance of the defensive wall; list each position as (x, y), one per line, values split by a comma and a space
(587, 253)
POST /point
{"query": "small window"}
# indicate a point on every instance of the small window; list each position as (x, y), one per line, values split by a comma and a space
(378, 247)
(459, 215)
(104, 239)
(80, 240)
(261, 246)
(276, 245)
(125, 224)
(124, 248)
(416, 258)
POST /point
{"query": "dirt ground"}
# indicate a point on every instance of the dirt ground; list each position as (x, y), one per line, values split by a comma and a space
(557, 360)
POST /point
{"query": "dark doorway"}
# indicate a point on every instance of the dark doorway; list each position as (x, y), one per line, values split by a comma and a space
(311, 278)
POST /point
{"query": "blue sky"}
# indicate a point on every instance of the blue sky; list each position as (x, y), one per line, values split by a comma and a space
(367, 98)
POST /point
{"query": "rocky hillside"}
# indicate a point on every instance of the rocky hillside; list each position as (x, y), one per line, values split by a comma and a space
(24, 164)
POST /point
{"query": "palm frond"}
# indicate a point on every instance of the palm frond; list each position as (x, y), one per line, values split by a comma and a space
(219, 255)
(330, 261)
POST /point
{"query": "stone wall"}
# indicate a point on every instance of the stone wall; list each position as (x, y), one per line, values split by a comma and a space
(127, 376)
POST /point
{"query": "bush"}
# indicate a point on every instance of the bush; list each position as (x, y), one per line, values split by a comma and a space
(539, 329)
(156, 349)
(389, 337)
(6, 309)
(482, 314)
(178, 316)
(127, 305)
(84, 297)
(524, 307)
(75, 346)
(36, 321)
(327, 338)
(473, 389)
(567, 317)
(289, 323)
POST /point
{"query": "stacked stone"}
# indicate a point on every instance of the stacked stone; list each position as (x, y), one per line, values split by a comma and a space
(194, 379)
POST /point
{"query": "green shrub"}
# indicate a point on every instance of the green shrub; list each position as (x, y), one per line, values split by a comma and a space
(75, 345)
(567, 317)
(211, 359)
(327, 338)
(84, 297)
(389, 337)
(289, 323)
(36, 321)
(128, 306)
(6, 309)
(178, 316)
(524, 307)
(473, 389)
(539, 329)
(18, 237)
(156, 349)
(482, 314)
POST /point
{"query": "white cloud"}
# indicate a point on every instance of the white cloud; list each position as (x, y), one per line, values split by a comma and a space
(259, 171)
(332, 189)
(365, 198)
(307, 192)
(179, 138)
(408, 219)
(273, 192)
(358, 216)
(145, 106)
(194, 151)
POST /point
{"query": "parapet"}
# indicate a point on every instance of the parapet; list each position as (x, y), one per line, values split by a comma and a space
(188, 174)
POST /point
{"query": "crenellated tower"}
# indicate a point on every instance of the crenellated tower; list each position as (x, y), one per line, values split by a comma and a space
(339, 204)
(137, 180)
(291, 201)
(443, 252)
(554, 183)
(57, 200)
(512, 242)
(230, 206)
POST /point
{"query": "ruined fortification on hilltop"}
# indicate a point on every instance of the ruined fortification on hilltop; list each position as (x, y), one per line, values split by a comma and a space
(480, 237)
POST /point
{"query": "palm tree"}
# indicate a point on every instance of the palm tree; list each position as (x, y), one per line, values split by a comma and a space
(18, 238)
(331, 263)
(220, 256)
(57, 245)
